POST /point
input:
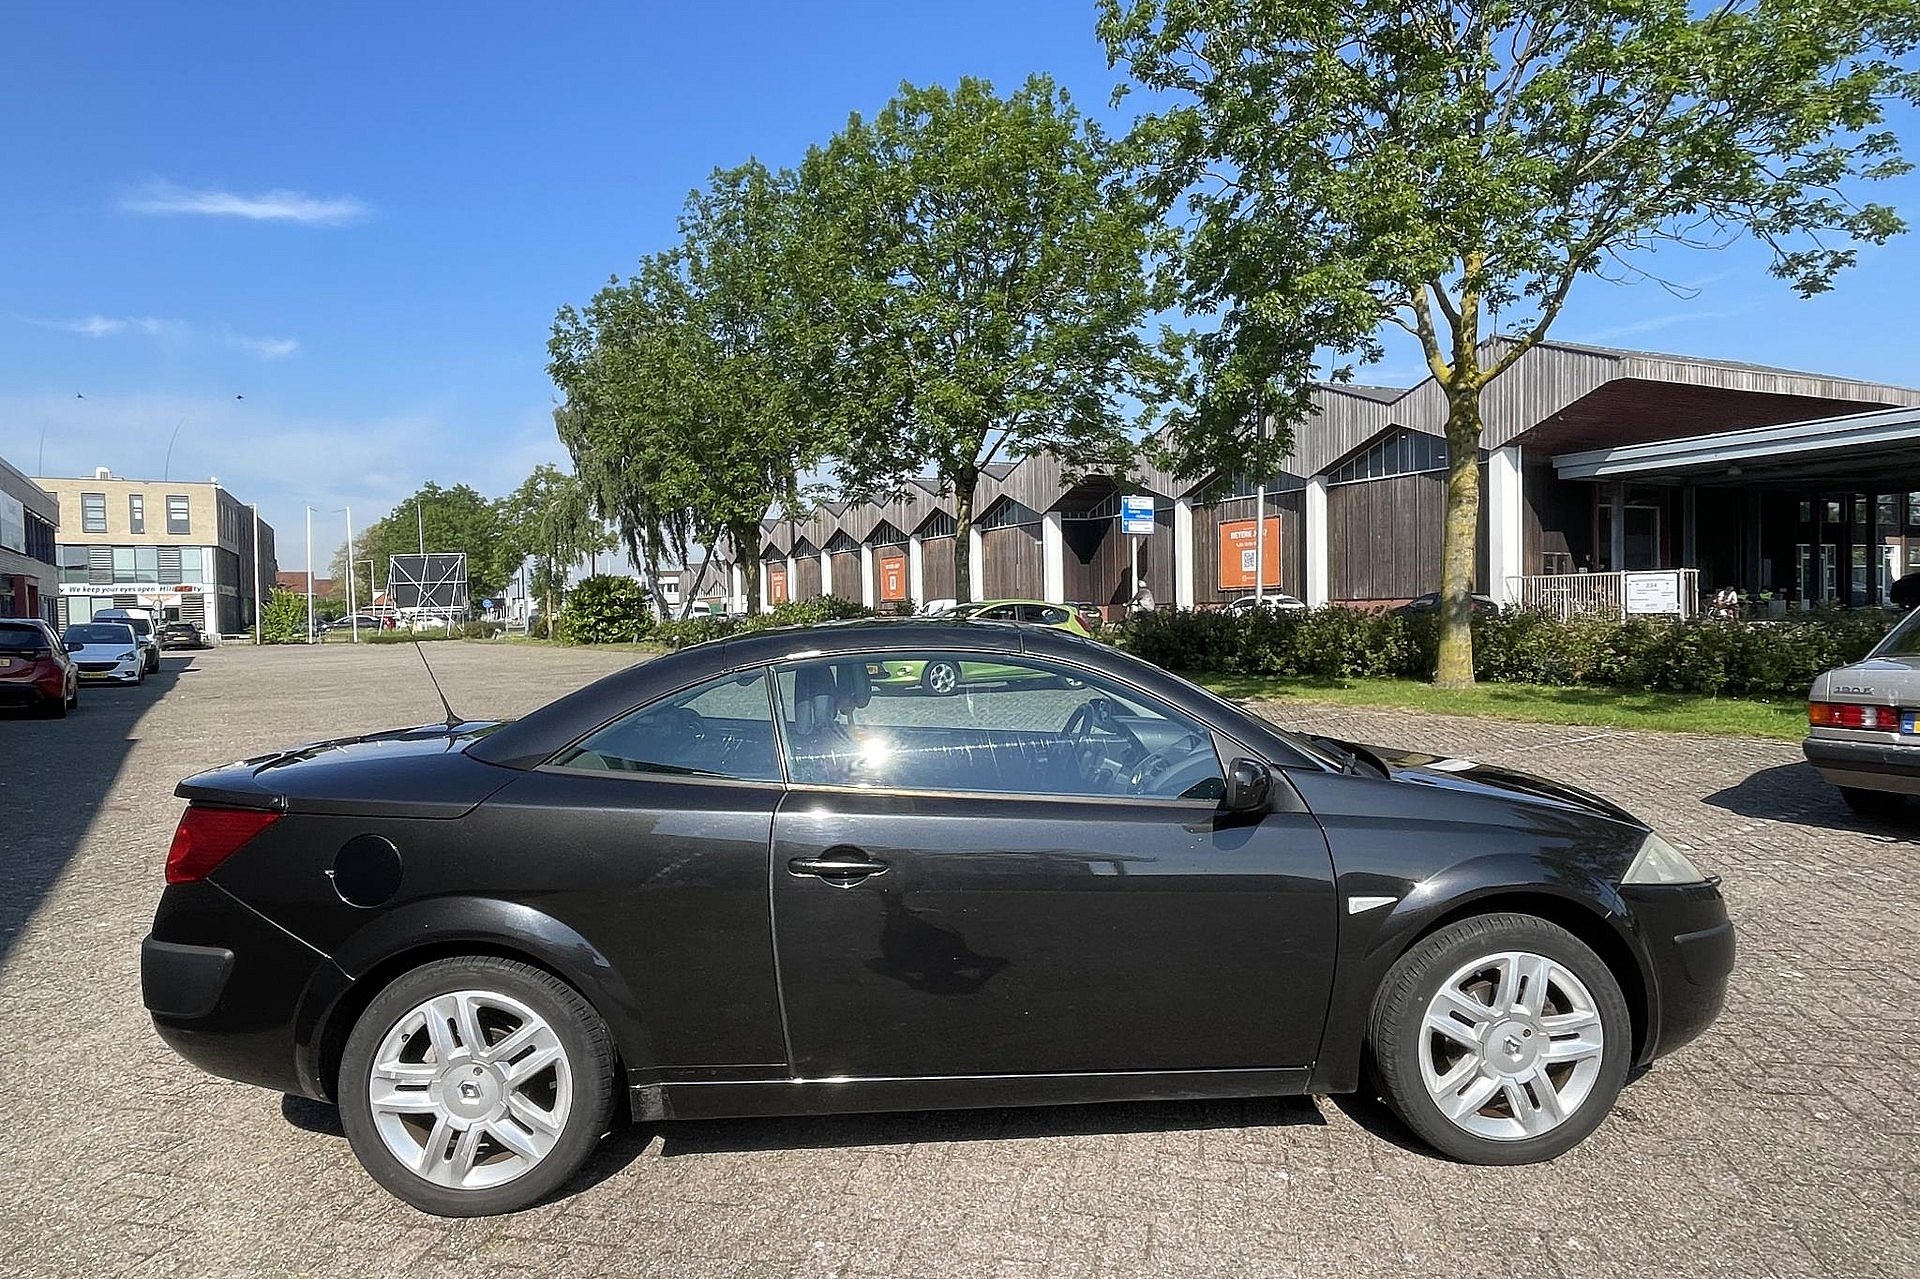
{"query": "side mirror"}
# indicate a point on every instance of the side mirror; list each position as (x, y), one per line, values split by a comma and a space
(71, 648)
(1249, 786)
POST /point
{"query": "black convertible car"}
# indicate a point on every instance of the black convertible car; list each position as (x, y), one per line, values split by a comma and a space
(753, 878)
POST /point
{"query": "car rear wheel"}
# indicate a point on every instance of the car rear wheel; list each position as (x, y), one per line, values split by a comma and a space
(1873, 803)
(1501, 1039)
(941, 678)
(54, 707)
(476, 1085)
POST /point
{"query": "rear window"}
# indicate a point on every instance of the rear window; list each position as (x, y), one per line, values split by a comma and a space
(15, 638)
(140, 625)
(99, 633)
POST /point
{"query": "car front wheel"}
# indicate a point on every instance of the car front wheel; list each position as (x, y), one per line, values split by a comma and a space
(476, 1085)
(1501, 1039)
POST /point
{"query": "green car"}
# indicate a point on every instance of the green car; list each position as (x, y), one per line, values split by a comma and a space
(944, 677)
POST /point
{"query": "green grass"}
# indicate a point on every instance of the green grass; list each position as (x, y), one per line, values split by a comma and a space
(1784, 719)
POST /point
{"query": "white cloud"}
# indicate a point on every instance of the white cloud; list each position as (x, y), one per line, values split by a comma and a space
(101, 326)
(283, 459)
(267, 206)
(1654, 323)
(265, 348)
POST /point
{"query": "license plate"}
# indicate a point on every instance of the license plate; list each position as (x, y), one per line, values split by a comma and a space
(1910, 722)
(5, 662)
(96, 674)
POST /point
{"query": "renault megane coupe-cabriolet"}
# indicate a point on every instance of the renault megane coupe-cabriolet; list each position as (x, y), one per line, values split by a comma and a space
(752, 879)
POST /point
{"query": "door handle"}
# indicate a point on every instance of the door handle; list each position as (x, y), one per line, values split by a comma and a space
(845, 869)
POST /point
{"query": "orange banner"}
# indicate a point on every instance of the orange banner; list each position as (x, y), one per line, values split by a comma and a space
(1239, 543)
(893, 578)
(777, 583)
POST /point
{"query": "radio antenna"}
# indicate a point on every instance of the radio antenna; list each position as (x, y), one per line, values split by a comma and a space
(453, 721)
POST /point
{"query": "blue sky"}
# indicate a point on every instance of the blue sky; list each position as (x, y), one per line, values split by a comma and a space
(361, 219)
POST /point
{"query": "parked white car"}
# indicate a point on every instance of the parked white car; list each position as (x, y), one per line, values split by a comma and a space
(1274, 601)
(145, 629)
(106, 652)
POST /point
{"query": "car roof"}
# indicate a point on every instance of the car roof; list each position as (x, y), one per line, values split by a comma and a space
(538, 735)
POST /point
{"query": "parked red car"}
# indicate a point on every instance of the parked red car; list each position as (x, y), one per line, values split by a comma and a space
(34, 667)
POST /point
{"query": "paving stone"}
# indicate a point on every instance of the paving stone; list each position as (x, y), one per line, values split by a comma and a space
(1786, 1142)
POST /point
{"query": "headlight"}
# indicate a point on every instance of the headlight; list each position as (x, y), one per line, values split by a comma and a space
(126, 657)
(1661, 863)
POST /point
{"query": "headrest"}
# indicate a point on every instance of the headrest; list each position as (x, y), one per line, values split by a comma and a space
(812, 700)
(855, 684)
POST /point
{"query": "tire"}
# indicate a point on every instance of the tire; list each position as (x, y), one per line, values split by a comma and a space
(510, 1162)
(54, 708)
(73, 699)
(1874, 803)
(941, 677)
(1585, 1016)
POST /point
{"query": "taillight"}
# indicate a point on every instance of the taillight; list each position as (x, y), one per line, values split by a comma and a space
(1849, 715)
(208, 836)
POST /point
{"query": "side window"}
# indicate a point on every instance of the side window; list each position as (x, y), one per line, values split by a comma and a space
(1004, 613)
(719, 729)
(1045, 614)
(945, 722)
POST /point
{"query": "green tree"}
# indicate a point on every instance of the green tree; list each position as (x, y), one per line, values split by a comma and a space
(446, 520)
(1453, 167)
(692, 406)
(979, 289)
(550, 520)
(605, 610)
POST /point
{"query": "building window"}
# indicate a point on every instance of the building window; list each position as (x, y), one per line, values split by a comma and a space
(93, 512)
(136, 513)
(177, 521)
(1402, 453)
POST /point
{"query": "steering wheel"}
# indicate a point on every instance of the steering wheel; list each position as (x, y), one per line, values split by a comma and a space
(1089, 719)
(1161, 762)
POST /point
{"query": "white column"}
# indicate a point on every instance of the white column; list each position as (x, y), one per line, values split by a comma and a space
(1183, 553)
(793, 579)
(866, 575)
(916, 574)
(766, 587)
(737, 591)
(826, 573)
(1506, 525)
(976, 564)
(1315, 531)
(1053, 559)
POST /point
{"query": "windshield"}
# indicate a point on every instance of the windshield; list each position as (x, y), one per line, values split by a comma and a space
(1904, 640)
(100, 633)
(21, 639)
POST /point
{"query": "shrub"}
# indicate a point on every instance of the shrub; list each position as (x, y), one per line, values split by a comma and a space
(1715, 658)
(283, 620)
(604, 609)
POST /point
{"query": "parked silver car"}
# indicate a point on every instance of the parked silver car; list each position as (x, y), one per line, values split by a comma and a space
(1864, 724)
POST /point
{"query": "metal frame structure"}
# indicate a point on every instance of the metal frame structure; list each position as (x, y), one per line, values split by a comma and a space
(429, 585)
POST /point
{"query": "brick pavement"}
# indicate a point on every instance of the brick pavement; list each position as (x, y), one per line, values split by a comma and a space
(1786, 1142)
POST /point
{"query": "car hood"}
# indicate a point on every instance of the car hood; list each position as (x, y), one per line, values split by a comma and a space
(423, 771)
(1417, 768)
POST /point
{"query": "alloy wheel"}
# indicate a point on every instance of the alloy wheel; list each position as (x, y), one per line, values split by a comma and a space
(942, 677)
(470, 1089)
(1511, 1046)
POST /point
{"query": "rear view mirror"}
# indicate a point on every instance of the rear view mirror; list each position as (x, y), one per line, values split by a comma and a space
(1249, 786)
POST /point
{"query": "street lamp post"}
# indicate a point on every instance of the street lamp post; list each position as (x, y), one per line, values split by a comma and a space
(353, 608)
(256, 572)
(309, 575)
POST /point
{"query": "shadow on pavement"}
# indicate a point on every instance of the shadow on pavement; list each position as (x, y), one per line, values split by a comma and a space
(55, 775)
(628, 1141)
(1795, 793)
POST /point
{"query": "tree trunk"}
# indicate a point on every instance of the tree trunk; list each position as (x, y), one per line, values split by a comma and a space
(659, 602)
(963, 488)
(1459, 540)
(746, 550)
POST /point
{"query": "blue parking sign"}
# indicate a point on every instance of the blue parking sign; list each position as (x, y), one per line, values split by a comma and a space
(1136, 515)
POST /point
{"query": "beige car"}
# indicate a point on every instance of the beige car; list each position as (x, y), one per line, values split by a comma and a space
(1864, 725)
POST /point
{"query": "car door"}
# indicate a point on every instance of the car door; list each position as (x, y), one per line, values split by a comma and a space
(955, 892)
(649, 838)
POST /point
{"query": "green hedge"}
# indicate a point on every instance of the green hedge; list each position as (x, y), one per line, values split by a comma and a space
(1695, 656)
